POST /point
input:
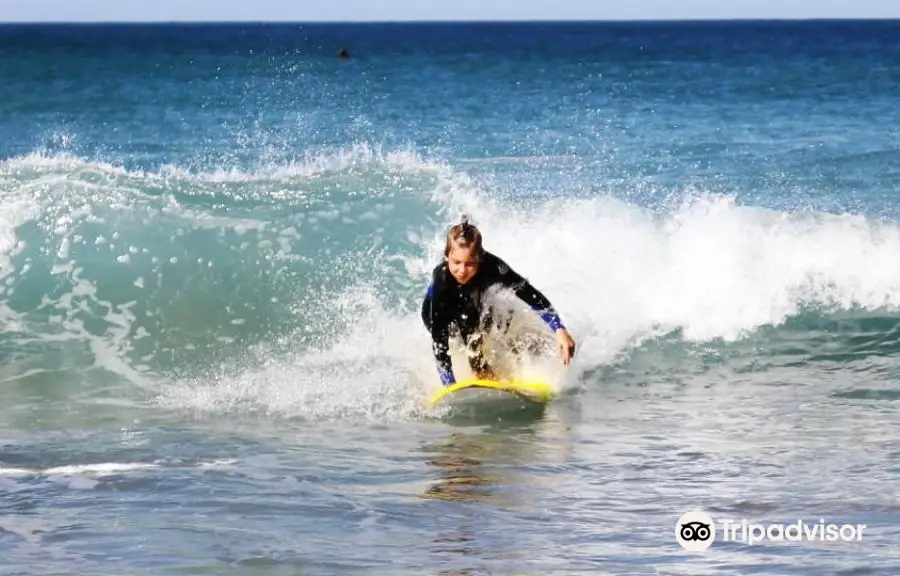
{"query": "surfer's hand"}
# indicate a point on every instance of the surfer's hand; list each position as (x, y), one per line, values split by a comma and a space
(565, 345)
(446, 377)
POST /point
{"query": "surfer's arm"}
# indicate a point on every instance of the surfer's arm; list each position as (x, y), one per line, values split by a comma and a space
(439, 326)
(530, 295)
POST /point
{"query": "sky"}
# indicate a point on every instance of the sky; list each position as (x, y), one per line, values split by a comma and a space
(367, 10)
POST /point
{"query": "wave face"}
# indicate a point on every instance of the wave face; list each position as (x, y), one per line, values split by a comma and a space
(297, 289)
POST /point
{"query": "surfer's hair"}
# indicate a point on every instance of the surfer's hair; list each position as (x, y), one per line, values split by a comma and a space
(464, 235)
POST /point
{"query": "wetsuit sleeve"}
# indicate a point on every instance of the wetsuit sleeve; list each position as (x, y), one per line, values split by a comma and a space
(437, 322)
(529, 294)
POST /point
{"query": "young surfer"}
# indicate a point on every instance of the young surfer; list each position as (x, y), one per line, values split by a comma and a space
(455, 294)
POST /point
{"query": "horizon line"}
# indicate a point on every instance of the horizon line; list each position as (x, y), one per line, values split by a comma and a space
(470, 20)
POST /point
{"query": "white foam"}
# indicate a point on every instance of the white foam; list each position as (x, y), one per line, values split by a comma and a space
(367, 373)
(39, 169)
(311, 165)
(60, 162)
(16, 211)
(101, 469)
(714, 269)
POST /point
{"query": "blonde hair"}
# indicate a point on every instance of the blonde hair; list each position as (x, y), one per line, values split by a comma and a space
(464, 235)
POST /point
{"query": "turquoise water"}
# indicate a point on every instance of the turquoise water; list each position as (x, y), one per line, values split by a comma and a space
(214, 240)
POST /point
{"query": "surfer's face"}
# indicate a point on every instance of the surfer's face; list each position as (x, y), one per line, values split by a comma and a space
(462, 263)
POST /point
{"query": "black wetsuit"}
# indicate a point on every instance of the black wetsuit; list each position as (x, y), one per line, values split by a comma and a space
(448, 303)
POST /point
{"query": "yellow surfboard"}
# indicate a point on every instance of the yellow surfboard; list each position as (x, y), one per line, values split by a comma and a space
(531, 390)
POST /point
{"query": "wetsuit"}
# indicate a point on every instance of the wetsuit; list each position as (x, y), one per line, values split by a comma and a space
(448, 303)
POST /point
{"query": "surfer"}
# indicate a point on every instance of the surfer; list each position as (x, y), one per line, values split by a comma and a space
(454, 297)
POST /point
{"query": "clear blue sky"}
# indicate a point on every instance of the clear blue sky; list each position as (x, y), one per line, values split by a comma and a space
(310, 10)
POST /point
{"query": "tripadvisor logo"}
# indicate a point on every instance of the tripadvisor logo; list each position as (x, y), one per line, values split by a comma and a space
(696, 531)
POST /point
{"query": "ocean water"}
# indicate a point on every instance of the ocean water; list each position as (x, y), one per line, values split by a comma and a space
(214, 241)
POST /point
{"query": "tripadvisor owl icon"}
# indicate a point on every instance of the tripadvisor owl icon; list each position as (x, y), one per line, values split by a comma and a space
(695, 531)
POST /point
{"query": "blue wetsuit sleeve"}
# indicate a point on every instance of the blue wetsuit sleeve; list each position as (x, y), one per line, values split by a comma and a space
(530, 295)
(439, 326)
